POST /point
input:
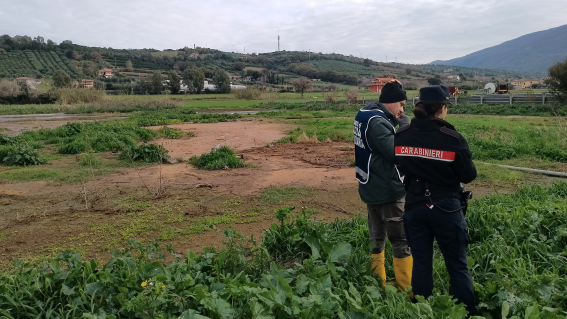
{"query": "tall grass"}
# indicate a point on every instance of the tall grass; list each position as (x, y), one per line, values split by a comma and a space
(76, 96)
(249, 93)
(108, 105)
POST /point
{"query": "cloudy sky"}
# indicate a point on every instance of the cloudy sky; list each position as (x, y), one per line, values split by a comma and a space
(411, 31)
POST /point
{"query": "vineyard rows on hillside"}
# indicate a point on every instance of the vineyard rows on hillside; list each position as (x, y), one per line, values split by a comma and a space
(33, 63)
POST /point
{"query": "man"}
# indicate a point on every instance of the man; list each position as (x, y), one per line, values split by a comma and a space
(380, 185)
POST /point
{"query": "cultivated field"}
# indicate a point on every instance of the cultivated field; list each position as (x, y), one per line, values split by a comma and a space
(122, 217)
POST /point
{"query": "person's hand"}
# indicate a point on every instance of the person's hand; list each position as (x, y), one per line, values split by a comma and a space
(404, 120)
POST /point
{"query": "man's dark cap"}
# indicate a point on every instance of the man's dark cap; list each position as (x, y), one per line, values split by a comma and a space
(434, 93)
(392, 93)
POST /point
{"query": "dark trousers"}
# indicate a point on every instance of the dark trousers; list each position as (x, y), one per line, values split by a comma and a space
(423, 225)
(385, 222)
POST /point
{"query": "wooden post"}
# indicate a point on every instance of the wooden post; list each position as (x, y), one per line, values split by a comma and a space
(456, 100)
(543, 98)
(481, 98)
(511, 99)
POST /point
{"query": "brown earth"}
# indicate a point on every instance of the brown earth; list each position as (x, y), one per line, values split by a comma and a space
(43, 217)
(175, 201)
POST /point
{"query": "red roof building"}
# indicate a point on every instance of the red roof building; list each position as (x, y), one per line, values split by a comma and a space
(378, 84)
(105, 73)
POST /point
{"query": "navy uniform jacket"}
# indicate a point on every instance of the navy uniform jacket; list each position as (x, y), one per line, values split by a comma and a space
(434, 156)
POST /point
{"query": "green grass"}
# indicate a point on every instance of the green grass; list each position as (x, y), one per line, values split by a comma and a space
(279, 195)
(490, 138)
(496, 175)
(65, 172)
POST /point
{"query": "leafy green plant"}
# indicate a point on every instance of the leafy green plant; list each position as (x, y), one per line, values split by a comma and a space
(219, 158)
(150, 153)
(172, 133)
(22, 155)
(308, 269)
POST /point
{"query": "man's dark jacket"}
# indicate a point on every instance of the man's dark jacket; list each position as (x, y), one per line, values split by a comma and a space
(384, 185)
(434, 156)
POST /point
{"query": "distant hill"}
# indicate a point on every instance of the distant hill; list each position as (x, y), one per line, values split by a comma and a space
(23, 56)
(533, 53)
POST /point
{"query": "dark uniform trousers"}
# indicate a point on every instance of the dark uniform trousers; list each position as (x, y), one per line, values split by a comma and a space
(385, 222)
(423, 225)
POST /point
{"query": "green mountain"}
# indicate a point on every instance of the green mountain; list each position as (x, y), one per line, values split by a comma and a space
(533, 53)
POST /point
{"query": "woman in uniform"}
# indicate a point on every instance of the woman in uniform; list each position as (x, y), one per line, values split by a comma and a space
(436, 159)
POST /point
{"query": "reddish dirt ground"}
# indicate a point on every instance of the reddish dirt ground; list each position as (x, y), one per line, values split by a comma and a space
(42, 217)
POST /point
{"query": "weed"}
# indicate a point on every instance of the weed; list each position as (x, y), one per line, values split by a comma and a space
(172, 133)
(220, 158)
(149, 153)
(89, 159)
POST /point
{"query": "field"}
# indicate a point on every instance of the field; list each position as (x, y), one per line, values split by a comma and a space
(27, 62)
(117, 220)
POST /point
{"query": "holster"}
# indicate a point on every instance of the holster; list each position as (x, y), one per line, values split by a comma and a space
(465, 196)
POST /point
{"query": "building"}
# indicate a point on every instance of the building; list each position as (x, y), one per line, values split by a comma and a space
(27, 80)
(240, 78)
(517, 83)
(525, 83)
(378, 84)
(105, 73)
(87, 84)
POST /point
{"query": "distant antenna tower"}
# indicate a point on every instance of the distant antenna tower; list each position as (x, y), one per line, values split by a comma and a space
(278, 43)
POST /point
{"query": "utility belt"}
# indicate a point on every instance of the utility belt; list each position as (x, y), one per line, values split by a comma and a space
(419, 186)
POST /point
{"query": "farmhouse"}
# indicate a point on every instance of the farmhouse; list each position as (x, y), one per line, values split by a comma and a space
(26, 80)
(528, 83)
(87, 84)
(525, 83)
(105, 73)
(378, 83)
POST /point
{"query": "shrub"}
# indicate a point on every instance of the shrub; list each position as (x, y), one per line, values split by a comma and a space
(22, 155)
(168, 132)
(150, 153)
(352, 96)
(217, 159)
(89, 159)
(247, 94)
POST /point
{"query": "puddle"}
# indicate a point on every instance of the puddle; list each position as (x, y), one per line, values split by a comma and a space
(55, 116)
(16, 124)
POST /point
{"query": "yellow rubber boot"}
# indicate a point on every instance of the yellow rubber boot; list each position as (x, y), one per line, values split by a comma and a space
(403, 268)
(378, 265)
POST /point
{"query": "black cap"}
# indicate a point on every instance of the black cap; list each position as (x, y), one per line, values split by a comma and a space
(434, 93)
(392, 92)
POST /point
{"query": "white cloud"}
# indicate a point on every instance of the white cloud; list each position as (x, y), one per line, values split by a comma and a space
(417, 32)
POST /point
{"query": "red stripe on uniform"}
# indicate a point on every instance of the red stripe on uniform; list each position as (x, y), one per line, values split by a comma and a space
(425, 153)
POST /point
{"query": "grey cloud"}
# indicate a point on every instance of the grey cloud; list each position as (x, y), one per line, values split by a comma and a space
(416, 32)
